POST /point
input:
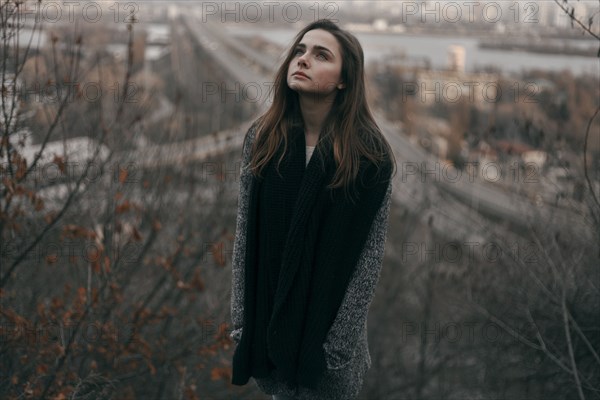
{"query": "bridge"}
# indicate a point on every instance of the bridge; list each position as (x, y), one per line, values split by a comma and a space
(458, 207)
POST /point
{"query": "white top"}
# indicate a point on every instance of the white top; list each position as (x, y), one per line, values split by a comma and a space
(309, 151)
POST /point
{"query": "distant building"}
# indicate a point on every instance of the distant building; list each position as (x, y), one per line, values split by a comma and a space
(535, 157)
(549, 14)
(139, 50)
(451, 85)
(380, 24)
(456, 58)
(480, 89)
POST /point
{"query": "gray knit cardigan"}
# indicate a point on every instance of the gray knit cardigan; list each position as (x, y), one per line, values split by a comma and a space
(346, 346)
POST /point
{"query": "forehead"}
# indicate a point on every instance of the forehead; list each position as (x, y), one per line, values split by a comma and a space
(320, 37)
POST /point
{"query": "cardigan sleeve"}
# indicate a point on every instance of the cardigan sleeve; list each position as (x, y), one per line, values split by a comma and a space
(341, 342)
(239, 243)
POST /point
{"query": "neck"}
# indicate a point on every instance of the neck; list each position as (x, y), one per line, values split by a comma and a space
(314, 111)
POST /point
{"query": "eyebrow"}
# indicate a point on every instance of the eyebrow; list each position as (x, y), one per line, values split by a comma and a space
(302, 45)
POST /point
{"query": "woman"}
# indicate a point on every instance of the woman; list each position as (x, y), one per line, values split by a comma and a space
(315, 192)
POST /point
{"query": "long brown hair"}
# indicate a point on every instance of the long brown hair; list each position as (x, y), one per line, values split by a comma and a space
(349, 125)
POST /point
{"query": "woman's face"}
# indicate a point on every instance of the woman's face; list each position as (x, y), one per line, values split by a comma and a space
(318, 57)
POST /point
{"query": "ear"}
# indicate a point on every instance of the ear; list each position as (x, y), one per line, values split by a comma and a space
(341, 85)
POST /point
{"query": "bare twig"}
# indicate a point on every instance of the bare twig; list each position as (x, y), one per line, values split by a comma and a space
(585, 167)
(576, 20)
(574, 370)
(583, 337)
(53, 222)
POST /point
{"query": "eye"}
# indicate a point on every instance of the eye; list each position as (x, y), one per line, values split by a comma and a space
(322, 55)
(298, 50)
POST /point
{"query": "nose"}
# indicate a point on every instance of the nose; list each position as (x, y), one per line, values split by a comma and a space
(302, 60)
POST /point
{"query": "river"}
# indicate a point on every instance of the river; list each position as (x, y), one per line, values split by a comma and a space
(435, 48)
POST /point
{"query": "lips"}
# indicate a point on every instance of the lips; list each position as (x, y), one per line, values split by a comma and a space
(300, 74)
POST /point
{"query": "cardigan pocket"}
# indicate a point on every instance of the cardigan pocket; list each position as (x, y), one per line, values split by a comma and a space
(236, 335)
(340, 357)
(337, 359)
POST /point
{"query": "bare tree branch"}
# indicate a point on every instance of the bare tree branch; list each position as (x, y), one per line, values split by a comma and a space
(585, 166)
(576, 20)
(570, 346)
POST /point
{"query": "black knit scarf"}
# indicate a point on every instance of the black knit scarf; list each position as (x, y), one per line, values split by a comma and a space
(303, 243)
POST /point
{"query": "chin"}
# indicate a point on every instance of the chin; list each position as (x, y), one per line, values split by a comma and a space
(291, 82)
(297, 86)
